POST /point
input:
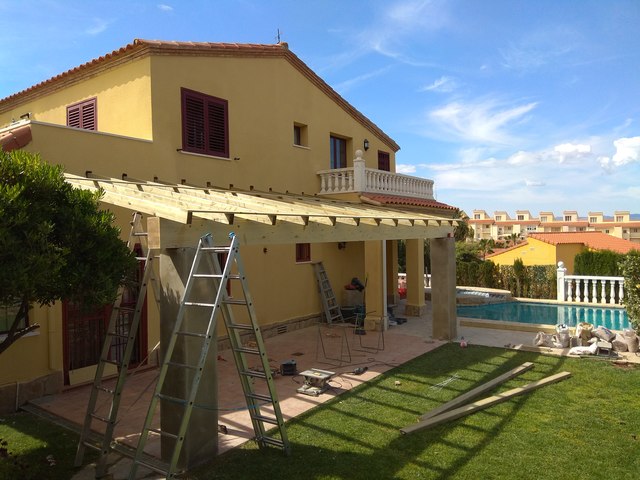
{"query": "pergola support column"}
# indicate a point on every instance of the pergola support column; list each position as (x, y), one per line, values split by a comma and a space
(415, 305)
(443, 288)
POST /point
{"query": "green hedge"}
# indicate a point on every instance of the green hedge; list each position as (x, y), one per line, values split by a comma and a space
(538, 281)
(603, 263)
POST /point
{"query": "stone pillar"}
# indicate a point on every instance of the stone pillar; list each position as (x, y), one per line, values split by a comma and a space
(443, 288)
(201, 439)
(375, 293)
(392, 272)
(561, 294)
(415, 305)
(359, 173)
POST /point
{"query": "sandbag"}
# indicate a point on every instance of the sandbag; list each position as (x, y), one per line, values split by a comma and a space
(604, 333)
(583, 332)
(619, 343)
(590, 350)
(631, 339)
(563, 335)
(544, 340)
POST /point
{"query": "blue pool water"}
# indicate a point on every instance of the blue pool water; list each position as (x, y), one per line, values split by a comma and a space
(549, 314)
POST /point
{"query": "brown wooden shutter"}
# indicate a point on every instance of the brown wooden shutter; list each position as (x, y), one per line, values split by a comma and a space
(205, 124)
(83, 115)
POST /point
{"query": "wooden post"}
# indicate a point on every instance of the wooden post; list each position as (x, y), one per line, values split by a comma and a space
(484, 403)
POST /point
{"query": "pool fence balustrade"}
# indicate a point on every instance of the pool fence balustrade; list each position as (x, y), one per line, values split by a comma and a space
(402, 280)
(589, 288)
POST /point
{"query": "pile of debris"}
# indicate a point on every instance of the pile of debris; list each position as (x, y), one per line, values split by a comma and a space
(587, 340)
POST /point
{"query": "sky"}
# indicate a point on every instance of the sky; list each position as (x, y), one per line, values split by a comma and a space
(505, 104)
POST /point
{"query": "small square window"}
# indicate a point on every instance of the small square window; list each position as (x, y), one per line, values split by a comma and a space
(300, 137)
(83, 115)
(303, 252)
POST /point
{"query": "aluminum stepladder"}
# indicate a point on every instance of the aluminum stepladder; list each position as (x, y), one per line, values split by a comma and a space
(88, 438)
(330, 305)
(219, 277)
(333, 316)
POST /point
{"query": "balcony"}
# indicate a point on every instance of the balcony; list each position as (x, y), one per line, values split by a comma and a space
(360, 179)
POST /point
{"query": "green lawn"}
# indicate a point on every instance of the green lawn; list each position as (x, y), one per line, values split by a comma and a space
(35, 449)
(585, 427)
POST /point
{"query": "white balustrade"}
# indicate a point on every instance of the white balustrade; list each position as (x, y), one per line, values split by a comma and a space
(402, 280)
(360, 179)
(584, 289)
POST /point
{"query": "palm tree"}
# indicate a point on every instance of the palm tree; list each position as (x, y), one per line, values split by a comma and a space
(486, 246)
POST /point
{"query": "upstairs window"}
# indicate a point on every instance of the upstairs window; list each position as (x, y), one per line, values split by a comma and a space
(205, 124)
(619, 218)
(300, 135)
(593, 219)
(568, 218)
(83, 115)
(543, 219)
(520, 217)
(384, 163)
(338, 152)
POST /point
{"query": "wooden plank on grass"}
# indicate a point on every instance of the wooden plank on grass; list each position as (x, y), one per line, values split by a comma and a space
(476, 392)
(484, 403)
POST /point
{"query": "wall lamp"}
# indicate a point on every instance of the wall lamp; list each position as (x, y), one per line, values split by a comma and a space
(342, 245)
(366, 144)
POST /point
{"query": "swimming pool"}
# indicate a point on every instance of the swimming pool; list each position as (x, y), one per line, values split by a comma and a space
(548, 314)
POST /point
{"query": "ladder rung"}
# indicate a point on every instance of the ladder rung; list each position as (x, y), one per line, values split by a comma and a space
(180, 401)
(206, 275)
(263, 419)
(182, 365)
(253, 373)
(200, 304)
(193, 334)
(141, 259)
(260, 396)
(241, 326)
(92, 445)
(98, 417)
(125, 309)
(119, 335)
(215, 249)
(159, 467)
(105, 389)
(163, 433)
(252, 351)
(271, 441)
(112, 362)
(140, 234)
(235, 302)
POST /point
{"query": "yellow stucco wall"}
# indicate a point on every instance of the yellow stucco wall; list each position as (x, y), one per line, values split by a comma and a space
(536, 252)
(139, 123)
(123, 101)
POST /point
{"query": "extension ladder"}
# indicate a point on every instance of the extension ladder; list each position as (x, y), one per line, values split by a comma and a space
(330, 305)
(219, 280)
(113, 337)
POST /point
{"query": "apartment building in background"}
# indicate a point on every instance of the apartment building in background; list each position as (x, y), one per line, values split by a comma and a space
(501, 226)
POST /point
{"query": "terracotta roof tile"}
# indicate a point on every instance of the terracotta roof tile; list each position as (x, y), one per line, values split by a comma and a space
(407, 201)
(141, 48)
(595, 240)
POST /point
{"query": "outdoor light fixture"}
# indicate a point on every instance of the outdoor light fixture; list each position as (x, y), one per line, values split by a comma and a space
(366, 144)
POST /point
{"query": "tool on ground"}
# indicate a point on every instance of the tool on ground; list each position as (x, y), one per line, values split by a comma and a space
(315, 381)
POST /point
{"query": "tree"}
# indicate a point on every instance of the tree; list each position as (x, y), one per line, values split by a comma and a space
(513, 238)
(486, 246)
(55, 242)
(462, 232)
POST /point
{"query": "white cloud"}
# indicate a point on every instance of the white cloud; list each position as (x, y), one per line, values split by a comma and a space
(405, 169)
(571, 152)
(443, 84)
(537, 49)
(486, 121)
(348, 84)
(627, 151)
(534, 183)
(165, 8)
(99, 26)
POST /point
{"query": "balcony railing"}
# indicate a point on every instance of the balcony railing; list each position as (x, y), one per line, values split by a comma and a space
(360, 179)
(589, 288)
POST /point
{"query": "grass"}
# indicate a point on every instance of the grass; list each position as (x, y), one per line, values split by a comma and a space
(586, 427)
(34, 449)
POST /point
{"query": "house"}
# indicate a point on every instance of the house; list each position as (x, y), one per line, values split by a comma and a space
(622, 224)
(280, 158)
(551, 248)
